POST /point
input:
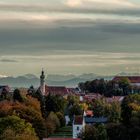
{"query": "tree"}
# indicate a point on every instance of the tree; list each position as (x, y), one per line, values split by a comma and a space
(102, 133)
(4, 93)
(10, 134)
(124, 84)
(94, 133)
(61, 119)
(117, 132)
(90, 133)
(55, 103)
(17, 96)
(115, 112)
(75, 110)
(32, 116)
(52, 123)
(126, 112)
(31, 91)
(98, 107)
(15, 123)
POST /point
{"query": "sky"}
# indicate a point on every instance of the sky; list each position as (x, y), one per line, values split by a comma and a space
(69, 36)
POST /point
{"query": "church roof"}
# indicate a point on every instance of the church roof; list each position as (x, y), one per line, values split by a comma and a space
(56, 90)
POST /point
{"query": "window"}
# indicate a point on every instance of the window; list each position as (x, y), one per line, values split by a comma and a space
(77, 128)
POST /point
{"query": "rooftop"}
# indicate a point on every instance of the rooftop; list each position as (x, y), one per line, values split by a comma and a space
(95, 120)
(132, 79)
(78, 120)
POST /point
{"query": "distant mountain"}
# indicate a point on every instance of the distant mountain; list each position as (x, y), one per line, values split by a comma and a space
(60, 77)
(19, 81)
(68, 83)
(54, 80)
(88, 76)
(30, 76)
(128, 74)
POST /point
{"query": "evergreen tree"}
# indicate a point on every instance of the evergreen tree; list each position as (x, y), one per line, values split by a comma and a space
(17, 96)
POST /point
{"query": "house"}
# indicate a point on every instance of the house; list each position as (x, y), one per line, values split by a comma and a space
(89, 118)
(78, 125)
(95, 120)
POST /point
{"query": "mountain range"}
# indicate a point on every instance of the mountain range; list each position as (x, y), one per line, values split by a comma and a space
(54, 80)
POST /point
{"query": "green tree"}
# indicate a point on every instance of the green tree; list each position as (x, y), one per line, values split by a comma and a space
(76, 109)
(124, 84)
(115, 112)
(17, 96)
(10, 134)
(94, 133)
(126, 112)
(90, 133)
(15, 123)
(102, 133)
(55, 103)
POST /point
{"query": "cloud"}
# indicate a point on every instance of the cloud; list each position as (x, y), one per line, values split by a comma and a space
(99, 36)
(74, 3)
(100, 3)
(8, 61)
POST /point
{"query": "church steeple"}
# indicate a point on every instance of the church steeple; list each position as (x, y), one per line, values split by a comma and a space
(42, 82)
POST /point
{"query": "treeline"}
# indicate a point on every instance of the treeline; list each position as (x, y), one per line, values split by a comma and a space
(109, 88)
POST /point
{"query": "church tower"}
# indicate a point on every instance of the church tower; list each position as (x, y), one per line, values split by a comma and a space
(42, 83)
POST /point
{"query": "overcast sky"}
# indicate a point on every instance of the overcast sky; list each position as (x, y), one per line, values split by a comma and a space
(69, 36)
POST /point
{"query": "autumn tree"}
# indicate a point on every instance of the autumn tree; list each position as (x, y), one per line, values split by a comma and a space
(16, 124)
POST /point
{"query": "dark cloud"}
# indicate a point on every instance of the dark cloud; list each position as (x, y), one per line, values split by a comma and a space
(104, 37)
(8, 61)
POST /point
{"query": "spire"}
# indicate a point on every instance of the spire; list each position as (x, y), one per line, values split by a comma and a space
(42, 82)
(42, 76)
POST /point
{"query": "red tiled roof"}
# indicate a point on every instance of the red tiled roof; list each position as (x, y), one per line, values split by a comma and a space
(56, 90)
(78, 120)
(89, 113)
(133, 79)
(71, 90)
